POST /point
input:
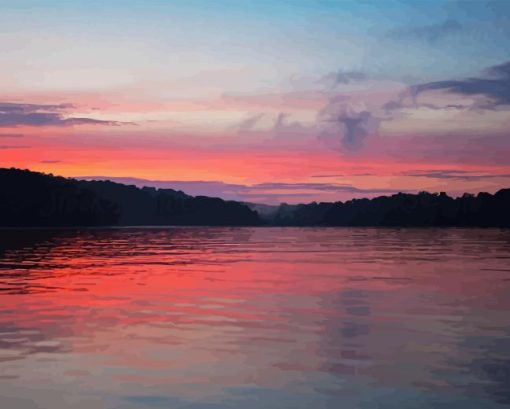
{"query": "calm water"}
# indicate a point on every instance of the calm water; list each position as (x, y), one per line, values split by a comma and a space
(255, 318)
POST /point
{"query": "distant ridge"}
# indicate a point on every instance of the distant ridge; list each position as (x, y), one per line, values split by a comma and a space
(36, 199)
(32, 199)
(403, 209)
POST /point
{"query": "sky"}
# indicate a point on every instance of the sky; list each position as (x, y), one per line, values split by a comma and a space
(266, 101)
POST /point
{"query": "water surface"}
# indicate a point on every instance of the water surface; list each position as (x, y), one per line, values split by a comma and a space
(255, 318)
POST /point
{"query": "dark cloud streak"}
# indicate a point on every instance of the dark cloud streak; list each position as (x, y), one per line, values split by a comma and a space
(13, 115)
(5, 147)
(495, 86)
(430, 34)
(453, 174)
(11, 135)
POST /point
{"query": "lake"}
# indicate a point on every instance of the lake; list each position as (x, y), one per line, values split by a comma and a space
(255, 318)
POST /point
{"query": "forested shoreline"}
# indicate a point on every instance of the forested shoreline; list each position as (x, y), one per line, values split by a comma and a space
(33, 199)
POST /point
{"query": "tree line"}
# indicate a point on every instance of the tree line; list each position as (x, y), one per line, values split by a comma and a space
(29, 199)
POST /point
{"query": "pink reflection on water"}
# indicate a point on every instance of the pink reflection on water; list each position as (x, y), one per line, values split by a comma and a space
(295, 317)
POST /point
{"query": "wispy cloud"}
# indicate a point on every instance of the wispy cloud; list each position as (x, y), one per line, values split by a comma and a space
(4, 147)
(342, 175)
(454, 174)
(428, 33)
(271, 192)
(249, 123)
(285, 127)
(278, 126)
(14, 114)
(329, 187)
(333, 79)
(342, 123)
(11, 135)
(495, 85)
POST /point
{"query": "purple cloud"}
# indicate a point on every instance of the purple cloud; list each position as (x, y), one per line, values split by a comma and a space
(272, 193)
(454, 174)
(12, 115)
(342, 123)
(495, 85)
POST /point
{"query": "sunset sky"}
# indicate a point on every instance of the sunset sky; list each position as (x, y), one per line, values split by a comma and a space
(263, 101)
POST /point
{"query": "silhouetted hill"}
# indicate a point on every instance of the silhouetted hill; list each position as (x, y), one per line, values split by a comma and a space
(151, 206)
(35, 199)
(422, 209)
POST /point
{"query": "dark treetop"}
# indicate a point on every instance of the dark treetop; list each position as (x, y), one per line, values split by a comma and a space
(36, 199)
